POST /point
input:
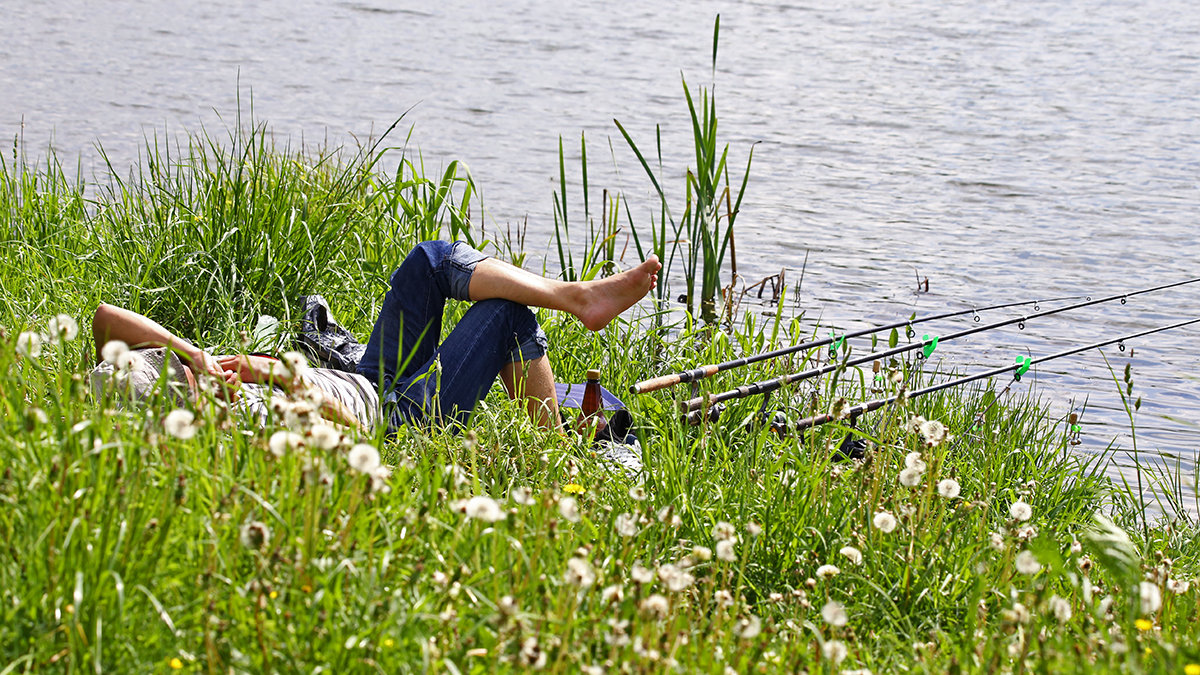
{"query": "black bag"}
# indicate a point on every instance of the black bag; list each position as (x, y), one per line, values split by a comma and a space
(323, 340)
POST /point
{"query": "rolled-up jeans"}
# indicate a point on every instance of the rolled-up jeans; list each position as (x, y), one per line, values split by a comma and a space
(422, 380)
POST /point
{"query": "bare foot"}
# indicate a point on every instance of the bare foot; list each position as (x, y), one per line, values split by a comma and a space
(603, 300)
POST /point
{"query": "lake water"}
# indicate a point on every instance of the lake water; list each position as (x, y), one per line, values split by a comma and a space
(1005, 150)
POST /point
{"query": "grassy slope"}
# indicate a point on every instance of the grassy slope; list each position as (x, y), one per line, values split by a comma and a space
(123, 548)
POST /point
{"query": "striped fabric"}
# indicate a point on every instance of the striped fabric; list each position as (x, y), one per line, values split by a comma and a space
(354, 392)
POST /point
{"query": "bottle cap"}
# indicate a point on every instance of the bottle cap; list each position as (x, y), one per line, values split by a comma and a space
(593, 374)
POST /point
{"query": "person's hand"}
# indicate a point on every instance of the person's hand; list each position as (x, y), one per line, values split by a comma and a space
(252, 369)
(204, 363)
(231, 384)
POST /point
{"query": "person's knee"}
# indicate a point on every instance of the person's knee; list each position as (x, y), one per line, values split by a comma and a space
(522, 324)
(514, 312)
(421, 261)
(102, 319)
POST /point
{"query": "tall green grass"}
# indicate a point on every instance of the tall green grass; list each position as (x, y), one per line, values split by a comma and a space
(705, 228)
(124, 548)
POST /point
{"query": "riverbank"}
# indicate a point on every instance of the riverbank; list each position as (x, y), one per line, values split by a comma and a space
(968, 538)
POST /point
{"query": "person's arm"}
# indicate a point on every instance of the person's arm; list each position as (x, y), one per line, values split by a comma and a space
(115, 323)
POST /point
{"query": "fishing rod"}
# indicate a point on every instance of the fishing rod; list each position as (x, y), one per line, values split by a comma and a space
(927, 345)
(672, 379)
(1018, 369)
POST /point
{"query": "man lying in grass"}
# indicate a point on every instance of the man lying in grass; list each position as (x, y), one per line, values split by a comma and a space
(420, 379)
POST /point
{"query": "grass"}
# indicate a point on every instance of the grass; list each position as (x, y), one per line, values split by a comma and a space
(129, 549)
(708, 201)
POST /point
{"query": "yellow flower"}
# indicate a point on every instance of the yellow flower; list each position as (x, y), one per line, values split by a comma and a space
(388, 642)
(573, 488)
(306, 588)
(1143, 624)
(1192, 669)
(175, 663)
(274, 594)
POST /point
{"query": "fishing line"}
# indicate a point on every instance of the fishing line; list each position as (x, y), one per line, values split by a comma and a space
(927, 345)
(669, 380)
(1018, 369)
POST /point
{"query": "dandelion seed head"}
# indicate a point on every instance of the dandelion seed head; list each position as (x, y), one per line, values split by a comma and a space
(748, 627)
(948, 488)
(1178, 586)
(1149, 597)
(484, 508)
(62, 328)
(626, 524)
(29, 344)
(834, 650)
(753, 529)
(508, 606)
(569, 509)
(828, 571)
(324, 436)
(656, 606)
(278, 370)
(724, 531)
(255, 535)
(834, 614)
(531, 654)
(852, 554)
(579, 573)
(723, 598)
(910, 477)
(522, 495)
(996, 541)
(112, 351)
(675, 578)
(1020, 511)
(641, 574)
(637, 493)
(913, 461)
(363, 458)
(725, 550)
(295, 362)
(1018, 613)
(282, 441)
(131, 361)
(180, 424)
(702, 553)
(934, 432)
(884, 522)
(379, 479)
(1059, 608)
(1027, 563)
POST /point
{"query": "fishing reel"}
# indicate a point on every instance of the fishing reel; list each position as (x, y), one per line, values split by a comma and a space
(850, 448)
(696, 417)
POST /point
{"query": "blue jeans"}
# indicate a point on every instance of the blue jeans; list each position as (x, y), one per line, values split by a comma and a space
(424, 381)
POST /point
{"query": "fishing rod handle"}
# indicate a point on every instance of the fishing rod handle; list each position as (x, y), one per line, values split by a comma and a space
(705, 400)
(672, 379)
(818, 420)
